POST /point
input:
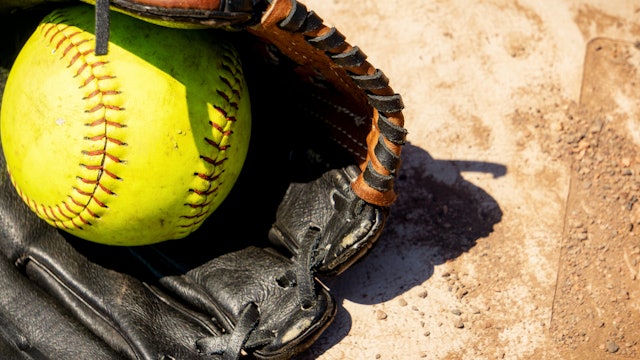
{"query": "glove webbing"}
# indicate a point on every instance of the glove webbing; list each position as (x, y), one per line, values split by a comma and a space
(302, 36)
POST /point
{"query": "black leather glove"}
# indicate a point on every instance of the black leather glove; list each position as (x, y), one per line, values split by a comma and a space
(320, 194)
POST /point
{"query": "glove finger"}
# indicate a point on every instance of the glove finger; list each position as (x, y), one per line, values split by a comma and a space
(228, 286)
(349, 226)
(34, 326)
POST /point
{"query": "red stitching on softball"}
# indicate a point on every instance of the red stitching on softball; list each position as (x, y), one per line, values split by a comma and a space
(226, 81)
(105, 137)
(42, 210)
(67, 49)
(102, 153)
(81, 70)
(79, 42)
(101, 92)
(45, 208)
(190, 217)
(64, 215)
(227, 98)
(212, 161)
(57, 46)
(102, 106)
(105, 189)
(46, 33)
(100, 203)
(199, 206)
(93, 215)
(232, 91)
(205, 193)
(88, 181)
(216, 145)
(104, 121)
(110, 174)
(82, 192)
(76, 203)
(61, 213)
(85, 221)
(220, 129)
(68, 41)
(209, 178)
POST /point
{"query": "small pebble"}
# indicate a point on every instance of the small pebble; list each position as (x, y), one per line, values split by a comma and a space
(381, 315)
(612, 347)
(402, 302)
(456, 312)
(459, 324)
(423, 294)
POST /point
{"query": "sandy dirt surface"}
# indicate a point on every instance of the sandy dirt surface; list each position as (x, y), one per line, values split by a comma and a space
(516, 234)
(517, 231)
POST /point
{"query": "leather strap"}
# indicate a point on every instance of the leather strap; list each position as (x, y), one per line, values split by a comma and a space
(102, 27)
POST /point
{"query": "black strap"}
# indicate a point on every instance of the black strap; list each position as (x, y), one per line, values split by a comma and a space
(102, 27)
(231, 345)
(376, 180)
(375, 81)
(332, 39)
(388, 159)
(394, 133)
(296, 18)
(350, 59)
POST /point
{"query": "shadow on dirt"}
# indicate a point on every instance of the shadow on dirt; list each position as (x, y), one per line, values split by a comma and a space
(438, 216)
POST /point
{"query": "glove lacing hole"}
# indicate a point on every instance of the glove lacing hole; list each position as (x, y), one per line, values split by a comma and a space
(287, 280)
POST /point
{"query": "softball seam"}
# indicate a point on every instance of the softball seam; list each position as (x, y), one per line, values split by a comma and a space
(231, 76)
(75, 212)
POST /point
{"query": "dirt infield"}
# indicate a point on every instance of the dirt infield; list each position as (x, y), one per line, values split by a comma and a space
(516, 234)
(517, 231)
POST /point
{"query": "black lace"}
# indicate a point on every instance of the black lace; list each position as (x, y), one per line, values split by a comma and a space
(306, 260)
(102, 27)
(230, 345)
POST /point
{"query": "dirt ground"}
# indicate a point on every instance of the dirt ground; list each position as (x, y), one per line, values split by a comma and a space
(517, 231)
(516, 234)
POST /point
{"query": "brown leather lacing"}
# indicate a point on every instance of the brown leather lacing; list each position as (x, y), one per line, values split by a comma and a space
(301, 35)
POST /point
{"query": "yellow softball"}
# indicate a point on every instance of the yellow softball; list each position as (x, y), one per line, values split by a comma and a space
(134, 147)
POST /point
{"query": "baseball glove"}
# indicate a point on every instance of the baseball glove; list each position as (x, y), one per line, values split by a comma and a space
(246, 282)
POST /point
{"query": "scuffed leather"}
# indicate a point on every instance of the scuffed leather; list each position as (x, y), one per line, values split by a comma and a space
(349, 226)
